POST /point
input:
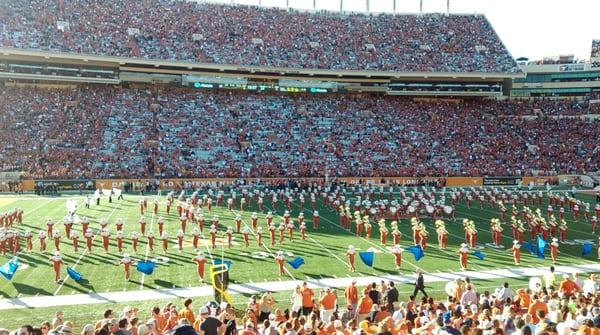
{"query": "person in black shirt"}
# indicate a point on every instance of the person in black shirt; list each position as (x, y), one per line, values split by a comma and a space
(374, 294)
(210, 325)
(419, 284)
(390, 297)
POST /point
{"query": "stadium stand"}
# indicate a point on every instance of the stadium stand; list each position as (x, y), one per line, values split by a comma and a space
(243, 35)
(111, 132)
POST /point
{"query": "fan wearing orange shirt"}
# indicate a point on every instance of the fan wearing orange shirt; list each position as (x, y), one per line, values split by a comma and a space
(307, 299)
(160, 320)
(351, 295)
(187, 312)
(364, 306)
(568, 287)
(327, 301)
(536, 305)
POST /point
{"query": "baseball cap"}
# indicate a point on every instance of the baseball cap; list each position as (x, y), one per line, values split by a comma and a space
(87, 328)
(203, 310)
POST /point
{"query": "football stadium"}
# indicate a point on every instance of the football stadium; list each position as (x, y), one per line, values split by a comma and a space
(193, 167)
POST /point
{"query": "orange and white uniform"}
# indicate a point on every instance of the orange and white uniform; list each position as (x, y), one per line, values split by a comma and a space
(180, 236)
(89, 238)
(105, 239)
(126, 262)
(279, 259)
(254, 219)
(143, 225)
(165, 241)
(135, 237)
(516, 251)
(195, 237)
(161, 225)
(554, 249)
(245, 232)
(200, 260)
(42, 236)
(397, 252)
(119, 224)
(57, 262)
(351, 253)
(463, 255)
(259, 236)
(303, 230)
(151, 241)
(56, 237)
(75, 240)
(238, 223)
(119, 238)
(213, 236)
(229, 235)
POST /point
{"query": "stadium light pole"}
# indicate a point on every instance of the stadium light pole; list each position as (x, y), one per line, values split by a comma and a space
(315, 4)
(368, 3)
(421, 7)
(394, 7)
(447, 7)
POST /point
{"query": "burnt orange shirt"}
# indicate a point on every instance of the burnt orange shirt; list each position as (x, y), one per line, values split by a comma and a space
(307, 297)
(328, 301)
(533, 308)
(364, 305)
(351, 295)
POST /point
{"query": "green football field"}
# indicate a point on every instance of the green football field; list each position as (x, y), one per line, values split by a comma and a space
(323, 250)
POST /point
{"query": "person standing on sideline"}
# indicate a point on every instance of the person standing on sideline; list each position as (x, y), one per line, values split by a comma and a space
(419, 284)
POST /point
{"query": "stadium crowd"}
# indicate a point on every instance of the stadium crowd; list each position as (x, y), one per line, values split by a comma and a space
(562, 305)
(246, 35)
(595, 107)
(110, 132)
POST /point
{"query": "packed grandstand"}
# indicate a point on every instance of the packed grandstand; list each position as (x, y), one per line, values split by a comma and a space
(59, 123)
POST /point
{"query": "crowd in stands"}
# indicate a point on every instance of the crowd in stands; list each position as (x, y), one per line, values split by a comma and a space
(595, 106)
(247, 35)
(560, 304)
(92, 132)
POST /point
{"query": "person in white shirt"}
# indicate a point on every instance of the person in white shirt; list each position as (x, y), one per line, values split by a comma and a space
(505, 292)
(590, 286)
(468, 297)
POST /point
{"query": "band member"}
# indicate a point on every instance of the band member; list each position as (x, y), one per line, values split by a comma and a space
(135, 238)
(75, 240)
(315, 220)
(195, 237)
(516, 251)
(200, 260)
(303, 230)
(463, 255)
(42, 236)
(238, 223)
(554, 250)
(126, 262)
(351, 253)
(89, 238)
(180, 235)
(143, 224)
(57, 262)
(49, 225)
(213, 236)
(254, 219)
(56, 237)
(105, 234)
(150, 241)
(245, 232)
(165, 241)
(229, 235)
(119, 224)
(279, 259)
(397, 252)
(259, 236)
(161, 225)
(28, 240)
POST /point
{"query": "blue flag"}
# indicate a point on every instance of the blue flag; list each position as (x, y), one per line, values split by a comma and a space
(76, 276)
(8, 270)
(478, 254)
(146, 267)
(296, 262)
(541, 245)
(367, 257)
(529, 247)
(417, 251)
(587, 248)
(226, 262)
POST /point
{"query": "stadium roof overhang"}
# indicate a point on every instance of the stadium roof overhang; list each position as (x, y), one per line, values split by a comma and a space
(182, 68)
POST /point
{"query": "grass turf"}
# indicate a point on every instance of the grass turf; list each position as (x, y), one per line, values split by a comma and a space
(323, 249)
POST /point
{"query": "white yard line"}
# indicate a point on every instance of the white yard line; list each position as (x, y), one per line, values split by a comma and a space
(279, 286)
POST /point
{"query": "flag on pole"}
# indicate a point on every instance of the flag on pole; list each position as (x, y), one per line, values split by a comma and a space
(76, 276)
(367, 257)
(296, 262)
(417, 251)
(8, 270)
(587, 248)
(478, 254)
(146, 267)
(541, 245)
(529, 247)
